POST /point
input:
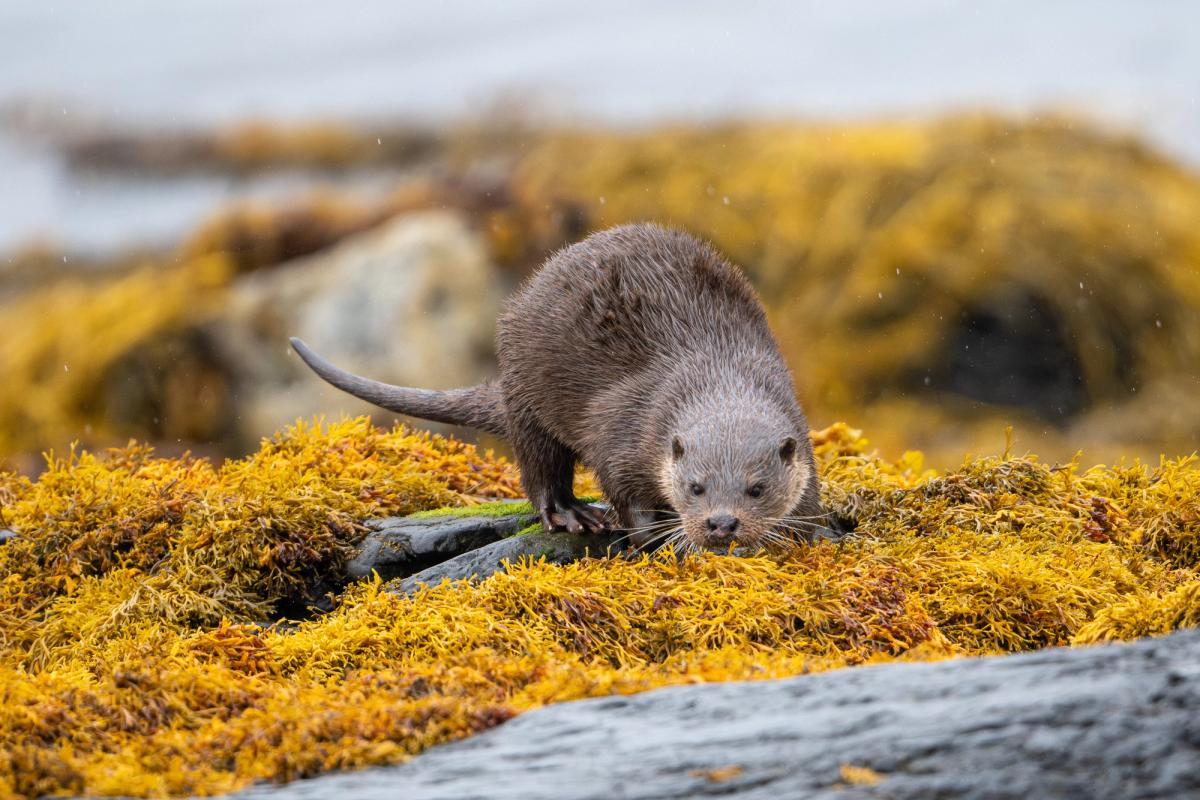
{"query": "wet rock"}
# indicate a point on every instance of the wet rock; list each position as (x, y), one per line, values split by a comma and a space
(399, 546)
(556, 548)
(412, 302)
(1114, 721)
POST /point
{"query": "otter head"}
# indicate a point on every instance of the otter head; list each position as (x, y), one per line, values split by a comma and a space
(733, 481)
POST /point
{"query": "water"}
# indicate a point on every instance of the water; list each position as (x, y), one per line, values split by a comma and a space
(123, 62)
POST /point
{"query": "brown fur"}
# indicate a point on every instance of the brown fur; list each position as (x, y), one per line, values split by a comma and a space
(644, 354)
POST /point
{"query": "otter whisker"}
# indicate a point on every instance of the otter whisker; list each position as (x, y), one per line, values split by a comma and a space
(775, 537)
(654, 539)
(771, 533)
(807, 526)
(801, 531)
(676, 540)
(648, 528)
(797, 526)
(651, 525)
(660, 523)
(654, 528)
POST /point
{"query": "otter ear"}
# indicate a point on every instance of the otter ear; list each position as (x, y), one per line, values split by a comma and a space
(676, 448)
(787, 451)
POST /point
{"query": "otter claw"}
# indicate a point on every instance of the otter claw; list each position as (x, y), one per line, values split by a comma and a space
(576, 518)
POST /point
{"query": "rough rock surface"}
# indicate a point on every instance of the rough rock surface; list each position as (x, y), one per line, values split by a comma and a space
(556, 548)
(399, 546)
(413, 302)
(428, 549)
(1115, 721)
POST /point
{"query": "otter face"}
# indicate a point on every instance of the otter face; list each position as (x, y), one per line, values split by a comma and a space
(734, 493)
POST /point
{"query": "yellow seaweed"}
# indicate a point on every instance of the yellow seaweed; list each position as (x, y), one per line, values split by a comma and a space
(140, 653)
(871, 242)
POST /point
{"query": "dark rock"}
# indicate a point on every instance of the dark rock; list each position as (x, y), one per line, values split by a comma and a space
(1015, 350)
(1114, 721)
(556, 548)
(429, 549)
(399, 546)
(6, 534)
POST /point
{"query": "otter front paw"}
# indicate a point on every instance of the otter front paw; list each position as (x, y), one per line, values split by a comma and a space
(574, 517)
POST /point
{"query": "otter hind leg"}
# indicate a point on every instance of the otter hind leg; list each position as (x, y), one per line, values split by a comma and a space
(548, 472)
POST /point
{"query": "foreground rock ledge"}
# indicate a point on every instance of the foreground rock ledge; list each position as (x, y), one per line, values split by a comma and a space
(1115, 721)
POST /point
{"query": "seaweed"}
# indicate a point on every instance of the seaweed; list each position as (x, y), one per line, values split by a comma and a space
(936, 281)
(140, 653)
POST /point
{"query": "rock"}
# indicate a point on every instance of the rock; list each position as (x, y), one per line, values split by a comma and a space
(399, 546)
(455, 546)
(413, 302)
(6, 534)
(556, 548)
(1113, 721)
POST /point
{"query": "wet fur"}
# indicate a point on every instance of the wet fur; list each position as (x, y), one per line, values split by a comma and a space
(618, 344)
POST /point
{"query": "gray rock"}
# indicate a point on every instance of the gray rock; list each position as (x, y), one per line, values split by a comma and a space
(1114, 721)
(6, 534)
(399, 546)
(556, 548)
(413, 302)
(430, 549)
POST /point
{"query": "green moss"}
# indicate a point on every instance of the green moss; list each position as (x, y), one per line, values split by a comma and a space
(497, 509)
(532, 528)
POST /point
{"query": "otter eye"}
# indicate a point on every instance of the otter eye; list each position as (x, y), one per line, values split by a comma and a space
(696, 489)
(755, 491)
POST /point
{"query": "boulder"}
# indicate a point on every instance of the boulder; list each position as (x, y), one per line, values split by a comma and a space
(413, 302)
(1111, 721)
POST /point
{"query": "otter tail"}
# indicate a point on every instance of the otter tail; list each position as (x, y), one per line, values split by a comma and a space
(479, 406)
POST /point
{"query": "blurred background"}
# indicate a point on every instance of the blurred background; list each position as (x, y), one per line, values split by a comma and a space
(961, 216)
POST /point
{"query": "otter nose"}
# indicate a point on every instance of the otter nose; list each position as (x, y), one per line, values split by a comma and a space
(722, 525)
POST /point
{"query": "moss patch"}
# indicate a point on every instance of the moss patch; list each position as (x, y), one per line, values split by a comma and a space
(500, 509)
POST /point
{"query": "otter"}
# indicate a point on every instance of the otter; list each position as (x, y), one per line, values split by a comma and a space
(644, 354)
